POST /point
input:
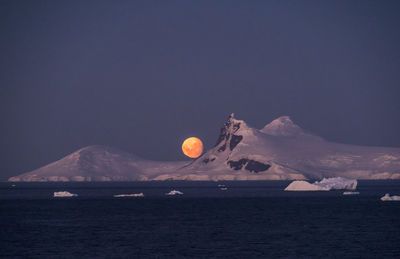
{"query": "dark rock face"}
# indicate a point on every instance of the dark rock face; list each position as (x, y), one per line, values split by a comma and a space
(255, 166)
(206, 160)
(224, 133)
(222, 148)
(227, 128)
(235, 127)
(249, 165)
(237, 165)
(234, 141)
(227, 135)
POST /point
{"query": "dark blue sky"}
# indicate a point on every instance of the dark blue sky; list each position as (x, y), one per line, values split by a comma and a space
(144, 75)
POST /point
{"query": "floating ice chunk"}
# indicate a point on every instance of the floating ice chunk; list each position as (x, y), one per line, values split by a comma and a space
(304, 186)
(351, 193)
(326, 184)
(222, 187)
(174, 192)
(64, 194)
(129, 195)
(387, 197)
(338, 183)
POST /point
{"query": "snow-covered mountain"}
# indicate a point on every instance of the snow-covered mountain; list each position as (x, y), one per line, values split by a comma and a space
(282, 150)
(279, 151)
(99, 163)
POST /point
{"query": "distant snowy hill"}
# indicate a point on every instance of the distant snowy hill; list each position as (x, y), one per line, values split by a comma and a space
(99, 163)
(279, 151)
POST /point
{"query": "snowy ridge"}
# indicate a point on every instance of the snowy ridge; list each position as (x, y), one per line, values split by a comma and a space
(279, 151)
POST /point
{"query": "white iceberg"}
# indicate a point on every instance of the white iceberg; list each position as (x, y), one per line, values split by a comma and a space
(326, 184)
(351, 193)
(304, 186)
(129, 195)
(64, 194)
(174, 192)
(338, 183)
(387, 197)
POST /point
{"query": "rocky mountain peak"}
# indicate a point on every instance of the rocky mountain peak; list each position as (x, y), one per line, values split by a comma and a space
(232, 127)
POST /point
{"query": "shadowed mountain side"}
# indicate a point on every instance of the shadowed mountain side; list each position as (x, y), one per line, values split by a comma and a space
(279, 151)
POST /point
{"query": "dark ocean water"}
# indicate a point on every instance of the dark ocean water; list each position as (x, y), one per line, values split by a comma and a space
(249, 220)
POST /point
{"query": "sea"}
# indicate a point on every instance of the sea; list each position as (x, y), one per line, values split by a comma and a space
(250, 219)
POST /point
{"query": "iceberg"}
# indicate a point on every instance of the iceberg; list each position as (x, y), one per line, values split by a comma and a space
(338, 183)
(304, 186)
(64, 194)
(387, 197)
(174, 192)
(129, 195)
(326, 184)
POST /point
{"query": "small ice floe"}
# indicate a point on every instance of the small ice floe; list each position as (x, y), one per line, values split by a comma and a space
(174, 192)
(326, 184)
(387, 197)
(222, 187)
(129, 195)
(64, 194)
(351, 193)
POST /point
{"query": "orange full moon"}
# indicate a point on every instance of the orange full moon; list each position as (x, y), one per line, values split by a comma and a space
(192, 147)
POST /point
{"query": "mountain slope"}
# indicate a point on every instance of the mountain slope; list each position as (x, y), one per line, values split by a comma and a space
(99, 163)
